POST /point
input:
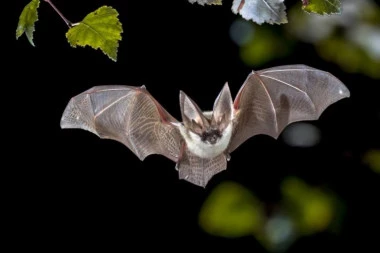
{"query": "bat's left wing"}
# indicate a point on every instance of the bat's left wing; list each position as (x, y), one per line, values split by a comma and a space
(127, 114)
(272, 98)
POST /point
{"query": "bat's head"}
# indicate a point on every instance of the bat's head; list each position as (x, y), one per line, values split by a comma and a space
(210, 127)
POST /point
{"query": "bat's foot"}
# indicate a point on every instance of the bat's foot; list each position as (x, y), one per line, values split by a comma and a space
(177, 166)
(228, 156)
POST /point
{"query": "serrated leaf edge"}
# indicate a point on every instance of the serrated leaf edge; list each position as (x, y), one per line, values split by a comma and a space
(23, 30)
(98, 48)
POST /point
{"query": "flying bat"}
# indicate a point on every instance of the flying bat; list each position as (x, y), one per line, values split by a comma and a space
(200, 144)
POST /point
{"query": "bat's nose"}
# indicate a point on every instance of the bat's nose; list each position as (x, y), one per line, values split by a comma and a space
(213, 139)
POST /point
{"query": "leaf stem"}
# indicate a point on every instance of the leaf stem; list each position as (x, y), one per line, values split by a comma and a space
(68, 23)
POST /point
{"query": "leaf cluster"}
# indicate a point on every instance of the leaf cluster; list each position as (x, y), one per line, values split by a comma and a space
(101, 29)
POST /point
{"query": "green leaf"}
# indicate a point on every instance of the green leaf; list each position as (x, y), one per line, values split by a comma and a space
(231, 211)
(322, 6)
(208, 2)
(314, 208)
(100, 29)
(28, 17)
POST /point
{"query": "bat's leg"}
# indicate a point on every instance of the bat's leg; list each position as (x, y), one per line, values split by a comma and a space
(228, 156)
(183, 146)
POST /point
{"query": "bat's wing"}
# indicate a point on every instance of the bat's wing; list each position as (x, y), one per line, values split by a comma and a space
(129, 115)
(271, 99)
(199, 171)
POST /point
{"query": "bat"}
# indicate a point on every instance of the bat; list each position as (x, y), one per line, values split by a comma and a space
(200, 145)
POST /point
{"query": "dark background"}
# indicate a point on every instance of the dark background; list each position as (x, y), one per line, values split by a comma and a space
(70, 190)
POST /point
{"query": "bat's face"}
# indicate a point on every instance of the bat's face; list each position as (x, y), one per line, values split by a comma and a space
(207, 134)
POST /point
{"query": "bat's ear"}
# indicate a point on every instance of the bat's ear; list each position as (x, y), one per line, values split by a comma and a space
(192, 115)
(223, 108)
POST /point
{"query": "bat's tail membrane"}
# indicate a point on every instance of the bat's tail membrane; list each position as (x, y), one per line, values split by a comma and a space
(199, 171)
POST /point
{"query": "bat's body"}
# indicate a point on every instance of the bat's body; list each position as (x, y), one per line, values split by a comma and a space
(201, 144)
(205, 149)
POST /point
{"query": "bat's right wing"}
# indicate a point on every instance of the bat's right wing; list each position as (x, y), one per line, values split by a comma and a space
(271, 99)
(127, 114)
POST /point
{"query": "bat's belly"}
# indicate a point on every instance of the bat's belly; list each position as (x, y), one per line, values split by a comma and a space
(206, 150)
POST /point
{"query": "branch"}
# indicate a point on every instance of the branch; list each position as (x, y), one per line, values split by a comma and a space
(68, 23)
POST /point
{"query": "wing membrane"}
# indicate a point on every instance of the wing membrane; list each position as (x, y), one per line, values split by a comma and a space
(272, 98)
(129, 115)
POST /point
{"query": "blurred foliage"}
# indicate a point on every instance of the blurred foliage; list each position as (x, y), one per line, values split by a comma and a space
(351, 40)
(265, 45)
(322, 6)
(274, 11)
(301, 134)
(231, 210)
(259, 44)
(28, 17)
(314, 209)
(372, 159)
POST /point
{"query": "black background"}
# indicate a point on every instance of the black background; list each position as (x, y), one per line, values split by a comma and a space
(70, 190)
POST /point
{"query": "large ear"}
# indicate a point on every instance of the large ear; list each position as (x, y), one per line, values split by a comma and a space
(223, 108)
(192, 115)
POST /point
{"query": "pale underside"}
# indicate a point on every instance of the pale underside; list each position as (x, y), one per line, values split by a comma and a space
(261, 11)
